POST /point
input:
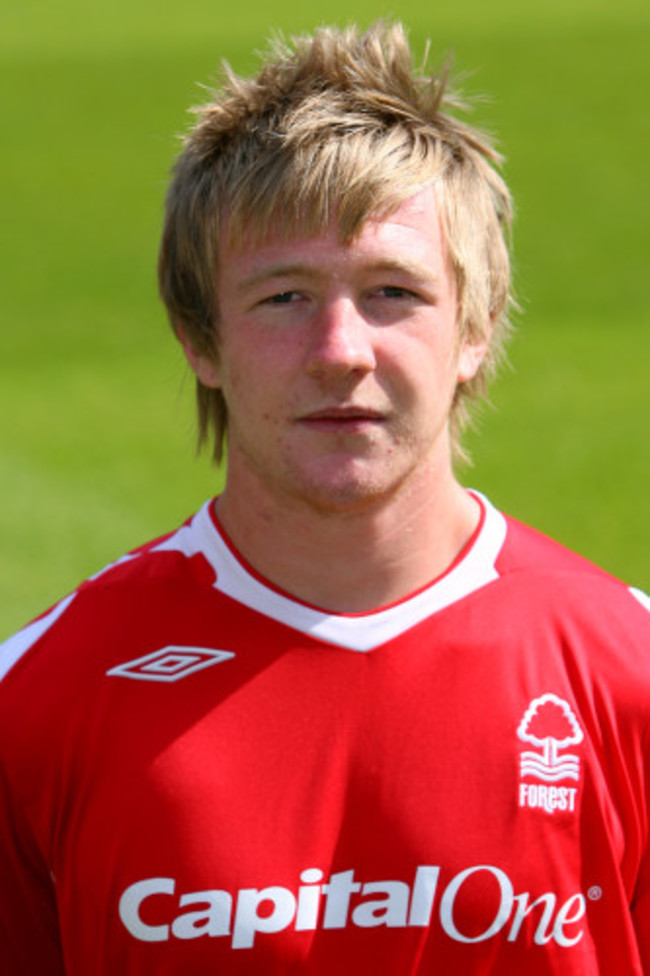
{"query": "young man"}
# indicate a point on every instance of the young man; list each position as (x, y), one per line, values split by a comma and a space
(349, 717)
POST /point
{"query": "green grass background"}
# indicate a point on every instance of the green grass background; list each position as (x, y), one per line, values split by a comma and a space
(96, 407)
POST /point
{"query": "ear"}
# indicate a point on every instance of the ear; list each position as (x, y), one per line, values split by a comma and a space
(470, 358)
(205, 367)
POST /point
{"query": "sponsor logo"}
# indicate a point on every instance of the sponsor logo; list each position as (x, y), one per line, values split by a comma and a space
(153, 910)
(170, 663)
(550, 724)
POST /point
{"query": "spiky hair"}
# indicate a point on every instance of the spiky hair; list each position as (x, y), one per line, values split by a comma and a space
(336, 125)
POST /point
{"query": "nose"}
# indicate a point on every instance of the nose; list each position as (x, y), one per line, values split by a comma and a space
(341, 341)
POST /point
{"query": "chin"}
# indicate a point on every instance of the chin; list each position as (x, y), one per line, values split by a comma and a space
(348, 494)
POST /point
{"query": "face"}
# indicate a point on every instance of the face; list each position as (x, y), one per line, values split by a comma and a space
(338, 362)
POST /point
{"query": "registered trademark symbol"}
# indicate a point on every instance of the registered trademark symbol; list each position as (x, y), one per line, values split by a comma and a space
(595, 893)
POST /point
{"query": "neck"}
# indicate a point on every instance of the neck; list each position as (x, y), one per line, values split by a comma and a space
(352, 561)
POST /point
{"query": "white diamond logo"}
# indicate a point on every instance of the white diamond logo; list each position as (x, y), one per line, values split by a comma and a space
(170, 663)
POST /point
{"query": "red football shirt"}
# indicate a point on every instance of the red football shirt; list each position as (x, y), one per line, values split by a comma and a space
(201, 774)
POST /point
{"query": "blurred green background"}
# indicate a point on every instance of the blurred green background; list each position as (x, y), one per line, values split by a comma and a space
(96, 413)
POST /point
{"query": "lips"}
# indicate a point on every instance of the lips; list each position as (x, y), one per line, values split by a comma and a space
(343, 420)
(344, 415)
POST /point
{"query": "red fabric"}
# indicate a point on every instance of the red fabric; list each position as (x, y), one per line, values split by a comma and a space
(470, 795)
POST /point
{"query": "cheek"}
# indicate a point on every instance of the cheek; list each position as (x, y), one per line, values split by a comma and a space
(250, 383)
(429, 365)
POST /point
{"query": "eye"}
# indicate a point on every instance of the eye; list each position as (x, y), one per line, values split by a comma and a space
(282, 298)
(394, 291)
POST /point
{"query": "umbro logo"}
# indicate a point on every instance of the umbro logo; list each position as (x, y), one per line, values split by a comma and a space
(170, 663)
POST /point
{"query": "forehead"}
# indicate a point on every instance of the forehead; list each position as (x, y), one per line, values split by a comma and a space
(411, 233)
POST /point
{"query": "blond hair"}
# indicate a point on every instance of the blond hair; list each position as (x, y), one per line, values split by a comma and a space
(338, 123)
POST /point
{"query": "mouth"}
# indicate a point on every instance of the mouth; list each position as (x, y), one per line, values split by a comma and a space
(343, 418)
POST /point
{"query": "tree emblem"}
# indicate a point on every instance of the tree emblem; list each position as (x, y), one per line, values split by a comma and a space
(550, 724)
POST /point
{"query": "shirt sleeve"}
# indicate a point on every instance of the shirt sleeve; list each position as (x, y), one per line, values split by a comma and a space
(641, 917)
(29, 940)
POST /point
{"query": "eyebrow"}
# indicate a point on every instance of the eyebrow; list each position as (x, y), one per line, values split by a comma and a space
(411, 269)
(276, 271)
(416, 272)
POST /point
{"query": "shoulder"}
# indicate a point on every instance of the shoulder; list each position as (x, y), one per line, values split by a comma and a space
(565, 623)
(125, 596)
(527, 550)
(545, 575)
